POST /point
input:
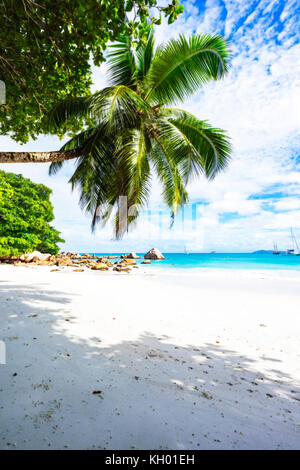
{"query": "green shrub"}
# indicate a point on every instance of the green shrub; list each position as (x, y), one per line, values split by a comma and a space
(25, 213)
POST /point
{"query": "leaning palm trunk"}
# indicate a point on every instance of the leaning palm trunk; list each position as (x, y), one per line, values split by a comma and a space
(38, 157)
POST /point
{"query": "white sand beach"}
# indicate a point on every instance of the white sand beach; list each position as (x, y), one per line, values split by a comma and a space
(204, 360)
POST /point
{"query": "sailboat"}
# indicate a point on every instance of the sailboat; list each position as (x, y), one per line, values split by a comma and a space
(295, 250)
(275, 251)
(185, 250)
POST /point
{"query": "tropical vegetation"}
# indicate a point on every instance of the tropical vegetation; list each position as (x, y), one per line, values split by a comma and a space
(139, 130)
(46, 48)
(25, 216)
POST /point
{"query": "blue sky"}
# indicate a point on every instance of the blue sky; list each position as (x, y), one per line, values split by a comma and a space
(257, 199)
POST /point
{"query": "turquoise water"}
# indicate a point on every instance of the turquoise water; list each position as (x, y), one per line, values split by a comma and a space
(223, 260)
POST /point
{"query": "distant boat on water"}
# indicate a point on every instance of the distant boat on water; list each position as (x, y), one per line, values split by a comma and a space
(295, 250)
(275, 251)
(185, 251)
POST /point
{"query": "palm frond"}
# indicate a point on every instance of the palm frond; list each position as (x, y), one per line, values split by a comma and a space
(174, 192)
(119, 107)
(55, 167)
(181, 67)
(131, 132)
(212, 146)
(130, 179)
(93, 174)
(122, 68)
(96, 164)
(134, 152)
(79, 140)
(61, 113)
(144, 57)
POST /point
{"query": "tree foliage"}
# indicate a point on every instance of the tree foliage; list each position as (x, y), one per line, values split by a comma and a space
(25, 216)
(136, 133)
(46, 47)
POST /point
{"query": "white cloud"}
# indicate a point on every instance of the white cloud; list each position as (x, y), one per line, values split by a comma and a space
(287, 204)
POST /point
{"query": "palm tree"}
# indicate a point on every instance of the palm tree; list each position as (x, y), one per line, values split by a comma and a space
(139, 130)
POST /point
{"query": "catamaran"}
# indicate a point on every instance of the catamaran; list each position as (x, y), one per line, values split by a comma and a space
(295, 250)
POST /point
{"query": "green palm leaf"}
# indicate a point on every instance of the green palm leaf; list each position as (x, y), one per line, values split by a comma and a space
(182, 66)
(80, 141)
(174, 192)
(212, 149)
(119, 107)
(130, 132)
(122, 68)
(144, 57)
(64, 111)
(136, 153)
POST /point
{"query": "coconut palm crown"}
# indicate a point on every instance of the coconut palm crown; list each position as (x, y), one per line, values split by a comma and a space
(139, 129)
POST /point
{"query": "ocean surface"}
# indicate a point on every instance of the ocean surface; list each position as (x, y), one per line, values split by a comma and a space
(223, 261)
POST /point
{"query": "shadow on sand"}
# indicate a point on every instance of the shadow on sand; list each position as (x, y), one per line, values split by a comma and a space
(61, 391)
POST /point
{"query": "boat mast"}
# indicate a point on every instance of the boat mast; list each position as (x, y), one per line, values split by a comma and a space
(294, 240)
